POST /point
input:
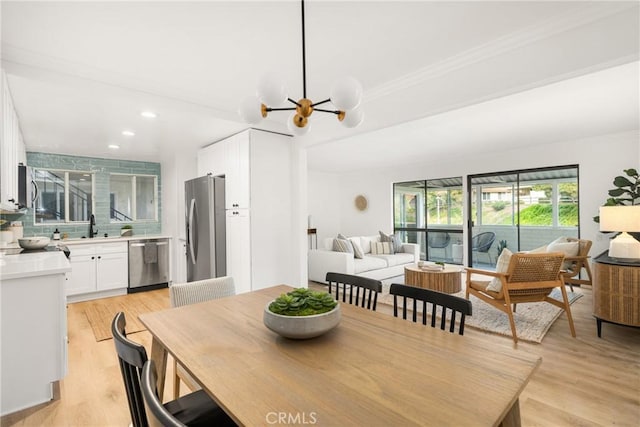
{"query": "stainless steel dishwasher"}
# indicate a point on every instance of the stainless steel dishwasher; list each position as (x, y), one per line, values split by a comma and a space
(148, 264)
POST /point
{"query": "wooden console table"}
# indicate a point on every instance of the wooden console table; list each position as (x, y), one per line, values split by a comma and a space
(616, 291)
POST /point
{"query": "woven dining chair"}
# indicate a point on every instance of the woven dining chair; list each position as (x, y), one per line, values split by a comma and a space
(448, 303)
(530, 277)
(191, 293)
(362, 291)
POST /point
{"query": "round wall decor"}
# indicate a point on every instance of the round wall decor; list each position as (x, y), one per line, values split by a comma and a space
(361, 202)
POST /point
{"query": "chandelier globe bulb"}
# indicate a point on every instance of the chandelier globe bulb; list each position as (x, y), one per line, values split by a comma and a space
(294, 122)
(353, 118)
(251, 110)
(346, 93)
(272, 89)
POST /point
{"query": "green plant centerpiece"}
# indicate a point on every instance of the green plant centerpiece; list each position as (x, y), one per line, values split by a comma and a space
(302, 313)
(303, 302)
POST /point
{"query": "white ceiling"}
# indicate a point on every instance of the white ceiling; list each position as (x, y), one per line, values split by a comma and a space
(439, 78)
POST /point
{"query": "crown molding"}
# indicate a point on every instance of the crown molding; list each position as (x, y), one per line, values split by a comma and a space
(554, 26)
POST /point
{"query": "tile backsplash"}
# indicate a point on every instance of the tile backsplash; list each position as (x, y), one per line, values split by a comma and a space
(102, 168)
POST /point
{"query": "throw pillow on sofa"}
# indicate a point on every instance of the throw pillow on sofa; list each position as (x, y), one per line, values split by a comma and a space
(357, 249)
(394, 239)
(342, 245)
(355, 244)
(381, 248)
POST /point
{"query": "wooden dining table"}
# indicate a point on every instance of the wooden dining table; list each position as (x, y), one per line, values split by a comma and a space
(371, 370)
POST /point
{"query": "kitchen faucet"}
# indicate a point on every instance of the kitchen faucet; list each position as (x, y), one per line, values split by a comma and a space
(92, 223)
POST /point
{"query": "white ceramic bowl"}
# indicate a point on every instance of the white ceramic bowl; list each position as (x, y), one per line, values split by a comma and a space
(36, 242)
(302, 327)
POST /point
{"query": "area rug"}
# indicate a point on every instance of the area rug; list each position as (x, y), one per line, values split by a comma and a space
(100, 313)
(533, 320)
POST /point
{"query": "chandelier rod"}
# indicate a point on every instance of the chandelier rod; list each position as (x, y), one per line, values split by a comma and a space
(304, 61)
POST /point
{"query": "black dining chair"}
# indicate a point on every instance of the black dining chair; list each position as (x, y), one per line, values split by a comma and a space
(437, 299)
(177, 412)
(362, 291)
(194, 409)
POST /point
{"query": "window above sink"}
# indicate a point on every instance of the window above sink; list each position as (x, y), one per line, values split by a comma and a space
(133, 197)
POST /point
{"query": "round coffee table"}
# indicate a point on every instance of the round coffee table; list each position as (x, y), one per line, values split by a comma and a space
(448, 280)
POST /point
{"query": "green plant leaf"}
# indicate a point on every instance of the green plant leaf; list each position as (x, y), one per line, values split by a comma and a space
(621, 181)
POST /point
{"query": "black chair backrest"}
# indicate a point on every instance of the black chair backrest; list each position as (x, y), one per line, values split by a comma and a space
(453, 303)
(482, 242)
(132, 357)
(439, 239)
(361, 289)
(158, 414)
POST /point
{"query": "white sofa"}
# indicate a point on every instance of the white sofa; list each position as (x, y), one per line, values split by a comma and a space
(379, 267)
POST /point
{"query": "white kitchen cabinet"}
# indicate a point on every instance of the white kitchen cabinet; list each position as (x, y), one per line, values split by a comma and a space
(34, 328)
(259, 190)
(97, 270)
(239, 248)
(237, 156)
(211, 160)
(12, 150)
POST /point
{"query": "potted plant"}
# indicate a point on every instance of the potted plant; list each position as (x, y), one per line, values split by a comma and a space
(501, 246)
(126, 230)
(627, 191)
(302, 313)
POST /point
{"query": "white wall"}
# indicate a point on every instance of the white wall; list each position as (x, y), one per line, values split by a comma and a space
(175, 171)
(600, 159)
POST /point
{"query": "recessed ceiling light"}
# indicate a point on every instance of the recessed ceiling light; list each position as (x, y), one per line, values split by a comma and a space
(128, 133)
(149, 114)
(114, 146)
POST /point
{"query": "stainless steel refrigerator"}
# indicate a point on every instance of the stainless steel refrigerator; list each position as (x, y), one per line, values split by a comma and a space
(206, 228)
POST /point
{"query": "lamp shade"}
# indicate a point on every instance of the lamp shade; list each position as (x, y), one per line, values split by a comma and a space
(346, 93)
(250, 110)
(620, 218)
(272, 89)
(353, 118)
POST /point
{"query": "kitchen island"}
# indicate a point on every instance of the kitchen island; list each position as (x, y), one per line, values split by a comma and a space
(34, 327)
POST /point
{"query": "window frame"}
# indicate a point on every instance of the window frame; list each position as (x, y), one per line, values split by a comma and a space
(134, 207)
(67, 212)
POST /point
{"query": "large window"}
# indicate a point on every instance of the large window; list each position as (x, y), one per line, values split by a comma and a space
(523, 209)
(63, 196)
(133, 198)
(430, 213)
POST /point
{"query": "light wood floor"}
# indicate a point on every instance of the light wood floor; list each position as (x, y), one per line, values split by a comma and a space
(583, 381)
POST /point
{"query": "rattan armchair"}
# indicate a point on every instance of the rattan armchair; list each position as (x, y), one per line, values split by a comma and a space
(573, 265)
(529, 278)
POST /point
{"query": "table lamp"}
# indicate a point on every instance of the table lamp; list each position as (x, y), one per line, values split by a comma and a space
(624, 219)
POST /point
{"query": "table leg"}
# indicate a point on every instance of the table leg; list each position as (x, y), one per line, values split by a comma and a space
(159, 357)
(512, 418)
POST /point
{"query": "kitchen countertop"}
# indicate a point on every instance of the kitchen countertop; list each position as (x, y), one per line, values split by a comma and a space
(94, 240)
(33, 264)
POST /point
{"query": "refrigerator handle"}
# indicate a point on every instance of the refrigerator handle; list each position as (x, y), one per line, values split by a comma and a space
(190, 232)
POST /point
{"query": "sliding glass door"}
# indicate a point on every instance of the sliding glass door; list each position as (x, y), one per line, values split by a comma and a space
(520, 210)
(429, 213)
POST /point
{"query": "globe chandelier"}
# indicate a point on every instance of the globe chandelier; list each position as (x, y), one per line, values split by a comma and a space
(345, 95)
